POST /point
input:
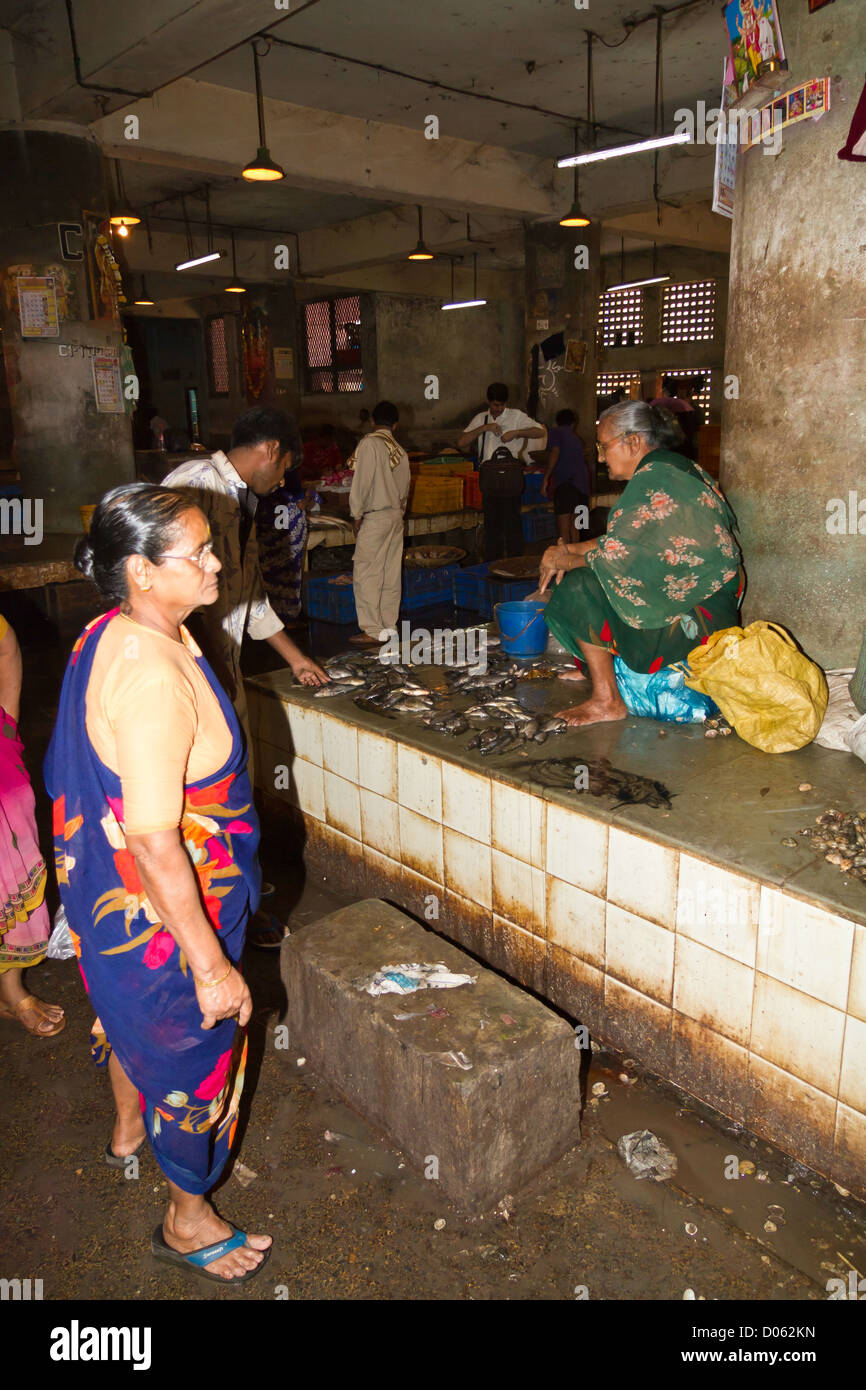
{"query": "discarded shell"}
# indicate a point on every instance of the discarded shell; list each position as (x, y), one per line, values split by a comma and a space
(711, 733)
(770, 1227)
(762, 1175)
(792, 844)
(747, 1168)
(843, 1191)
(691, 1228)
(689, 1294)
(599, 1089)
(776, 1213)
(627, 1080)
(439, 1223)
(726, 730)
(805, 787)
(629, 1062)
(301, 1062)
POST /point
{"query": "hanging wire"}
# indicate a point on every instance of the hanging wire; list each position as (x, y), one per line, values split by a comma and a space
(659, 112)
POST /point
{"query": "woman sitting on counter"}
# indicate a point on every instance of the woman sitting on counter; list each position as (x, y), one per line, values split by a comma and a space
(666, 574)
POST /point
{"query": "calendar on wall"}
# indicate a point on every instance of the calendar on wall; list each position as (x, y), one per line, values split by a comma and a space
(37, 306)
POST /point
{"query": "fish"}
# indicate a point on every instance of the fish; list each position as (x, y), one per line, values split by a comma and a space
(340, 671)
(327, 692)
(372, 707)
(629, 788)
(408, 705)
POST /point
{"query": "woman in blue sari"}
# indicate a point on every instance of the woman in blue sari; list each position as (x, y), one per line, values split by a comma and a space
(156, 843)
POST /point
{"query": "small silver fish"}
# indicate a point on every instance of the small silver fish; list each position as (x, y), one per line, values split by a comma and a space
(327, 692)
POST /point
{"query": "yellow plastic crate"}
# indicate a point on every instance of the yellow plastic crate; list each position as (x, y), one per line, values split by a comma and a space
(431, 495)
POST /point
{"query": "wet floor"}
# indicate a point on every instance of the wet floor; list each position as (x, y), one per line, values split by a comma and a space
(350, 1217)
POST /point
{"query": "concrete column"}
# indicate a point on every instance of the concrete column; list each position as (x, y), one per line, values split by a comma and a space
(792, 443)
(561, 298)
(66, 452)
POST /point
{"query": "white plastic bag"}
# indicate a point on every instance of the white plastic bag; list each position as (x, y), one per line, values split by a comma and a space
(60, 945)
(855, 738)
(841, 714)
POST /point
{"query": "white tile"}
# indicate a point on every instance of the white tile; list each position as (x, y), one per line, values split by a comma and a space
(718, 908)
(272, 768)
(340, 748)
(419, 780)
(468, 868)
(518, 824)
(421, 845)
(305, 726)
(307, 788)
(714, 990)
(519, 893)
(805, 947)
(342, 806)
(377, 764)
(380, 824)
(575, 921)
(577, 849)
(639, 952)
(857, 992)
(642, 877)
(466, 802)
(797, 1033)
(852, 1083)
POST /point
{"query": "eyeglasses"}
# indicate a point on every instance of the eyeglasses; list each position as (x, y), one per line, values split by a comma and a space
(199, 558)
(602, 447)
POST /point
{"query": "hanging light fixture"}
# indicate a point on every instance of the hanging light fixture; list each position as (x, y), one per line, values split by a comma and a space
(210, 254)
(636, 284)
(262, 169)
(576, 217)
(473, 303)
(421, 253)
(657, 142)
(235, 287)
(144, 300)
(122, 217)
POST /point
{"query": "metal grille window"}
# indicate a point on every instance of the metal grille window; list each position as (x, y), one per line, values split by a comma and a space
(620, 318)
(701, 398)
(688, 312)
(609, 381)
(332, 333)
(218, 357)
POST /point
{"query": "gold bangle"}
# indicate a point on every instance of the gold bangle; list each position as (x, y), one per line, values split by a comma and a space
(211, 984)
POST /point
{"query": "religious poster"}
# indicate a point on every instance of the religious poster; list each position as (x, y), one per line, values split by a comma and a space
(107, 386)
(37, 306)
(755, 36)
(725, 172)
(807, 102)
(575, 355)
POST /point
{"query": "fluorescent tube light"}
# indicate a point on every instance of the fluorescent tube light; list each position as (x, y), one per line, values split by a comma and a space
(464, 304)
(198, 260)
(633, 284)
(681, 138)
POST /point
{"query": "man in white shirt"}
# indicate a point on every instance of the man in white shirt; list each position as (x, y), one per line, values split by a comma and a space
(500, 425)
(228, 487)
(377, 500)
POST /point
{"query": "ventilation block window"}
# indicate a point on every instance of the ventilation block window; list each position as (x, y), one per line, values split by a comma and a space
(218, 356)
(688, 312)
(332, 334)
(620, 318)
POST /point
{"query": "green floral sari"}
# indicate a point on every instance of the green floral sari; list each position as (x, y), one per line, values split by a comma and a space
(665, 575)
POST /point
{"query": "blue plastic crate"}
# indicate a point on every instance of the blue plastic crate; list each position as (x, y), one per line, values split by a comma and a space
(330, 602)
(532, 486)
(538, 525)
(508, 591)
(470, 591)
(424, 586)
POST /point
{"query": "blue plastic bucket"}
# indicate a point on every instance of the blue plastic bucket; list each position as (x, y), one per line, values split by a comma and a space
(522, 628)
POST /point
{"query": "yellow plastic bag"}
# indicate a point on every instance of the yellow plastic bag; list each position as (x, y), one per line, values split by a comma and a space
(772, 694)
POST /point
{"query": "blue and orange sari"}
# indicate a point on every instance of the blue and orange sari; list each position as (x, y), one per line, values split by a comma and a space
(189, 1078)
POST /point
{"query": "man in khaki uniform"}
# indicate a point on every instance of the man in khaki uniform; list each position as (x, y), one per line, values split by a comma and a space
(377, 500)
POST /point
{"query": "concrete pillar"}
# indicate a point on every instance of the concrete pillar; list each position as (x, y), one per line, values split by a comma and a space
(67, 453)
(792, 443)
(562, 297)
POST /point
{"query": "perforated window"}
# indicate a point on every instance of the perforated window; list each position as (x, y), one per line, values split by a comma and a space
(688, 312)
(218, 357)
(620, 318)
(332, 333)
(702, 397)
(609, 381)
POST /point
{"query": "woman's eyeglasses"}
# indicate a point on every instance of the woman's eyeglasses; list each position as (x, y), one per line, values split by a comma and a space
(601, 447)
(199, 558)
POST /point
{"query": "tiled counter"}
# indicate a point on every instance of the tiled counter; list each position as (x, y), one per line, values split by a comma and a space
(732, 978)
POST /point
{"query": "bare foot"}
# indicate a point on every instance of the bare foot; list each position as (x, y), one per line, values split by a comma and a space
(210, 1228)
(594, 711)
(572, 674)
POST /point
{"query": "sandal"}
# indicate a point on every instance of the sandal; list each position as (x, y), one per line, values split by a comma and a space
(119, 1160)
(266, 936)
(31, 1005)
(196, 1260)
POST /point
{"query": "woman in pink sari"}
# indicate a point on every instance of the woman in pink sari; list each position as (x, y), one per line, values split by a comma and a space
(24, 922)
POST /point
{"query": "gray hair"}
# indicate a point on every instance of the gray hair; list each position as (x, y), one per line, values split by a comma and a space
(652, 422)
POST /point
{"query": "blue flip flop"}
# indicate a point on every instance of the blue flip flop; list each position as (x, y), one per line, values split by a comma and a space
(196, 1261)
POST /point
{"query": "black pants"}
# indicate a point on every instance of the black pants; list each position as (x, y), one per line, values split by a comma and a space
(502, 531)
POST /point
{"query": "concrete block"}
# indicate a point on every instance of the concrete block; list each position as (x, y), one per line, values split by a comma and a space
(491, 1128)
